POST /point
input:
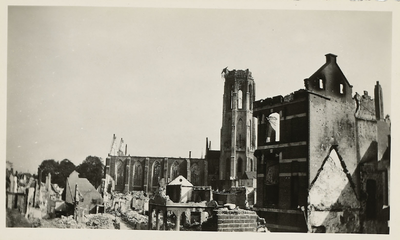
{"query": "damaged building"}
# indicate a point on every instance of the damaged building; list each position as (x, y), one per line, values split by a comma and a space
(323, 157)
(135, 173)
(315, 160)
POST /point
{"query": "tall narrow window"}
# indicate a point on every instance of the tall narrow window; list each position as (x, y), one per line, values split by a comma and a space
(138, 175)
(321, 84)
(250, 97)
(195, 174)
(240, 99)
(156, 173)
(341, 88)
(174, 170)
(250, 164)
(120, 172)
(273, 131)
(241, 127)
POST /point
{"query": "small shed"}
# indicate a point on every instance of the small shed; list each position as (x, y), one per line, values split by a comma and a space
(179, 189)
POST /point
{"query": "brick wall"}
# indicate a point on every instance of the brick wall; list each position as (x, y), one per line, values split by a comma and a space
(232, 221)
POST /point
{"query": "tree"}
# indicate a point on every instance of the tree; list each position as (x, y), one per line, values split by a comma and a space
(91, 168)
(66, 167)
(49, 166)
(59, 171)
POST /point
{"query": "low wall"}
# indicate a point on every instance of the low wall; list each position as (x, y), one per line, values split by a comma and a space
(231, 221)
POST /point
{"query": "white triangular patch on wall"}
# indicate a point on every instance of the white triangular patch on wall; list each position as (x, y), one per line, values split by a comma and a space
(181, 180)
(332, 188)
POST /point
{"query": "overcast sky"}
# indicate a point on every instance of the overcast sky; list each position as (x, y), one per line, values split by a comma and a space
(78, 75)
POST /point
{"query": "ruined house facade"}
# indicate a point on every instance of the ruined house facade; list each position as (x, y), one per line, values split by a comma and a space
(135, 173)
(312, 149)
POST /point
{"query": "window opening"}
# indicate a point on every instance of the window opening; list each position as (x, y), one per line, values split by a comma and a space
(240, 99)
(273, 131)
(321, 84)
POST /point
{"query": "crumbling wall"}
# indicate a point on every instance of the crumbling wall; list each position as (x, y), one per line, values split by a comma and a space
(333, 205)
(224, 220)
(333, 123)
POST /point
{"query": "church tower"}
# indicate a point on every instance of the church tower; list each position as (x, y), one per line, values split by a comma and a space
(238, 132)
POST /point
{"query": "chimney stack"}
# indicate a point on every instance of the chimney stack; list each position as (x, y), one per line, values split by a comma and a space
(378, 102)
(330, 58)
(190, 154)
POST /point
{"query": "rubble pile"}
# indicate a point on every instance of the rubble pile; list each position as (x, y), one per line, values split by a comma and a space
(261, 227)
(99, 221)
(136, 220)
(130, 208)
(66, 222)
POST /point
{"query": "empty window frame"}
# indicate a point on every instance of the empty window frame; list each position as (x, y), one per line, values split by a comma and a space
(321, 83)
(273, 131)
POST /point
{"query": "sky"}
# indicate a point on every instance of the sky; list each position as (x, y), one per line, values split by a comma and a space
(78, 75)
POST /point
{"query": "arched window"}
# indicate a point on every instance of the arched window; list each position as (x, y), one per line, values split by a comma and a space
(273, 131)
(195, 174)
(156, 173)
(174, 170)
(240, 99)
(250, 134)
(138, 175)
(240, 140)
(120, 172)
(250, 103)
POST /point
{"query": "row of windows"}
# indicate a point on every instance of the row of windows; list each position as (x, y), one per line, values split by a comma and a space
(176, 169)
(321, 85)
(241, 100)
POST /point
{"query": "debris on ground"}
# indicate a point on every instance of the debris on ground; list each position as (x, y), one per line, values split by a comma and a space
(66, 222)
(99, 221)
